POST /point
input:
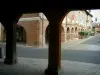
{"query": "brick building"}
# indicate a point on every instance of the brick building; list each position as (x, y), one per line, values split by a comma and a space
(77, 21)
(32, 28)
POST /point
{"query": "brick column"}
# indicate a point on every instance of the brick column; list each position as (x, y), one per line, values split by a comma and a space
(54, 60)
(11, 57)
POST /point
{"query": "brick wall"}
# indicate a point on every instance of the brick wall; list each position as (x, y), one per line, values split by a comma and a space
(32, 31)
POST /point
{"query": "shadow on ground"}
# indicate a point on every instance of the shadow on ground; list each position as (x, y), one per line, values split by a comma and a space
(21, 68)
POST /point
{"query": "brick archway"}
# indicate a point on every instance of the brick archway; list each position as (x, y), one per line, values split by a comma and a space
(68, 33)
(76, 32)
(4, 35)
(20, 34)
(68, 30)
(47, 35)
(72, 30)
(72, 33)
(76, 29)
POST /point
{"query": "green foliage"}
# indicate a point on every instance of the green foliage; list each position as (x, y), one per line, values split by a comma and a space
(86, 33)
(83, 33)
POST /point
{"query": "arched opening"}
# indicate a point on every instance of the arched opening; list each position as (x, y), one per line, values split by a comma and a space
(35, 25)
(72, 33)
(75, 29)
(81, 30)
(4, 35)
(76, 34)
(20, 34)
(68, 33)
(62, 34)
(68, 30)
(72, 30)
(47, 35)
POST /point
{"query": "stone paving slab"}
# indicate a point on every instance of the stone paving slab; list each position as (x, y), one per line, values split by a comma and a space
(29, 66)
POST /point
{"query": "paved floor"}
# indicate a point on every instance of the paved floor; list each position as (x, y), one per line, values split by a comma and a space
(28, 66)
(78, 59)
(94, 41)
(79, 52)
(63, 45)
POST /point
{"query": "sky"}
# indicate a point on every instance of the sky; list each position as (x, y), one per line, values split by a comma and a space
(95, 13)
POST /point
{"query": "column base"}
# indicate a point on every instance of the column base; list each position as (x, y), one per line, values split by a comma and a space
(53, 72)
(10, 61)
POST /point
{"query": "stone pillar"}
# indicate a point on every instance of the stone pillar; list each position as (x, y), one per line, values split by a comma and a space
(54, 59)
(11, 57)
